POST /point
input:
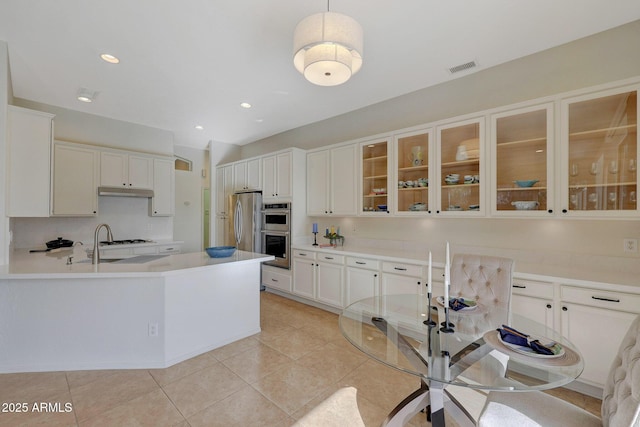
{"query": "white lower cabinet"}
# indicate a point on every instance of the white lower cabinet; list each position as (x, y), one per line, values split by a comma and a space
(402, 278)
(304, 266)
(276, 278)
(363, 279)
(318, 276)
(534, 300)
(595, 321)
(329, 279)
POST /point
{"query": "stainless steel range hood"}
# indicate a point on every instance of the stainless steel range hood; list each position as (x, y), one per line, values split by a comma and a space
(124, 192)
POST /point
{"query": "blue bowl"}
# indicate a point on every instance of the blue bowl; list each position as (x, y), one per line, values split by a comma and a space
(221, 251)
(526, 183)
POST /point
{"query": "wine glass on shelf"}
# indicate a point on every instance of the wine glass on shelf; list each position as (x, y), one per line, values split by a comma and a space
(613, 167)
(632, 165)
(595, 168)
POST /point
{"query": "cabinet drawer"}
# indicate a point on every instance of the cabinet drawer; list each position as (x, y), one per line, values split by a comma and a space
(532, 288)
(304, 254)
(403, 269)
(369, 264)
(600, 298)
(334, 259)
(274, 279)
(169, 249)
(145, 250)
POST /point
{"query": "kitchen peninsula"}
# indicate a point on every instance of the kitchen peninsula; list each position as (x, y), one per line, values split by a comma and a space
(55, 316)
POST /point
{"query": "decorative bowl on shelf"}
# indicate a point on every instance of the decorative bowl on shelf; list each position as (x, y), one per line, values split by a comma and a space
(525, 205)
(526, 183)
(220, 251)
(382, 207)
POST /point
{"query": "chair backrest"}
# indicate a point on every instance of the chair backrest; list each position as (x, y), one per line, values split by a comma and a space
(486, 279)
(621, 394)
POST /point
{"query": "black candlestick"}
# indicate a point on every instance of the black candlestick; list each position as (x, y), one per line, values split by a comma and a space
(429, 321)
(314, 238)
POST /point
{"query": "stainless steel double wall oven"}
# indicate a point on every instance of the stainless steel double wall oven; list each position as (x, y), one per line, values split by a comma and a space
(276, 229)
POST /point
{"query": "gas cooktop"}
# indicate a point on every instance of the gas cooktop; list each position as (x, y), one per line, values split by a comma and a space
(125, 242)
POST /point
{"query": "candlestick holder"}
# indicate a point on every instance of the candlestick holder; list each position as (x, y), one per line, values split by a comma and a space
(447, 327)
(429, 322)
(315, 243)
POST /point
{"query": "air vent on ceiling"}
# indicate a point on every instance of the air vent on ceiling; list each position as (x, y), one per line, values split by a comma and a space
(462, 67)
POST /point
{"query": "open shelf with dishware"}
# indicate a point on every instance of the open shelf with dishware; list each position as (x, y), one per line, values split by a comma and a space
(459, 177)
(600, 153)
(522, 152)
(412, 162)
(375, 177)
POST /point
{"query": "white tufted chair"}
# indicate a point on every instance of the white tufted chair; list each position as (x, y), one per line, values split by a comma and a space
(338, 410)
(620, 402)
(485, 279)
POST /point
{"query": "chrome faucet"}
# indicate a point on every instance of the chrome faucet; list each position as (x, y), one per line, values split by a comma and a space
(96, 251)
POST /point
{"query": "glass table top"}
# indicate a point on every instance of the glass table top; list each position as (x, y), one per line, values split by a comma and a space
(392, 330)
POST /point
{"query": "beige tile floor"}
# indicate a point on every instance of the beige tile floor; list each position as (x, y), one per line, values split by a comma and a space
(269, 379)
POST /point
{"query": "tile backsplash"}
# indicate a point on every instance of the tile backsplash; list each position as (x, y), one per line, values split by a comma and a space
(128, 218)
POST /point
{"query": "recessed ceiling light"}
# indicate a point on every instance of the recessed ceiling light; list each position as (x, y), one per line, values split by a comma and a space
(199, 127)
(109, 58)
(259, 120)
(245, 105)
(86, 95)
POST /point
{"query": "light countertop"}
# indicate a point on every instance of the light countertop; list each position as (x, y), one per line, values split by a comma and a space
(25, 265)
(598, 274)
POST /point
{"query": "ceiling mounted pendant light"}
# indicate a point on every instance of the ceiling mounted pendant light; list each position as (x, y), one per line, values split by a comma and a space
(327, 48)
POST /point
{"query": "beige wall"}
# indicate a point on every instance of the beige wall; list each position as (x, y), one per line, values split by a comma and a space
(608, 56)
(5, 97)
(77, 126)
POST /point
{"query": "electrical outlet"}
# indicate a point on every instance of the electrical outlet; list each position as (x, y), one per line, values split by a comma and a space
(153, 329)
(631, 245)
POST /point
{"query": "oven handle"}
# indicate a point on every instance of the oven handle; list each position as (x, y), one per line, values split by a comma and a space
(276, 211)
(276, 233)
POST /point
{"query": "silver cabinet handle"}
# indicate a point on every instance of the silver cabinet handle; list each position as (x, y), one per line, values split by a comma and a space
(361, 263)
(520, 286)
(274, 280)
(399, 268)
(328, 257)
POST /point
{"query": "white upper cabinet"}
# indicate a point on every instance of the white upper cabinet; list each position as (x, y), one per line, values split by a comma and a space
(118, 169)
(75, 180)
(224, 188)
(162, 202)
(460, 168)
(413, 173)
(277, 177)
(247, 175)
(332, 181)
(375, 180)
(28, 163)
(600, 154)
(522, 152)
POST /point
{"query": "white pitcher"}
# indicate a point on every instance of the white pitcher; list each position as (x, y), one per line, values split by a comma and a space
(416, 156)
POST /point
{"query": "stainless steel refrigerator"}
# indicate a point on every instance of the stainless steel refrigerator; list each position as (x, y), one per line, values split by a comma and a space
(245, 221)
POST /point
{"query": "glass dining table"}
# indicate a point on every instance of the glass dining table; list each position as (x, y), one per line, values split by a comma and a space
(407, 332)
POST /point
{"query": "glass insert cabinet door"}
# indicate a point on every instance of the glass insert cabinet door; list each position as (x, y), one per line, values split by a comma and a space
(374, 176)
(521, 152)
(602, 153)
(459, 155)
(412, 157)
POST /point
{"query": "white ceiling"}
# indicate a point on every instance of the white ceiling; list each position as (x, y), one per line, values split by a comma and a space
(193, 62)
